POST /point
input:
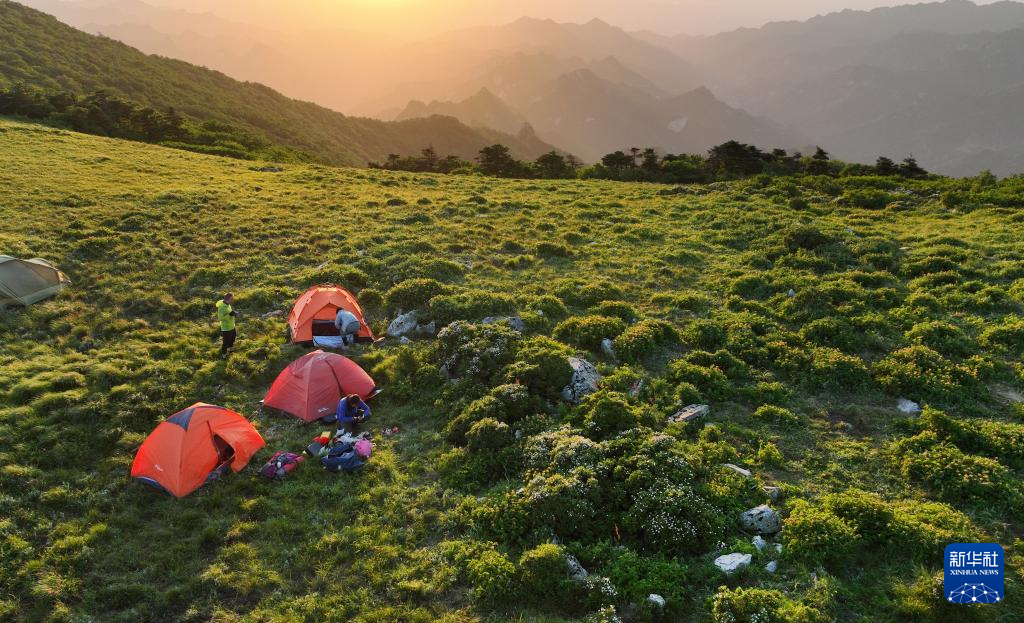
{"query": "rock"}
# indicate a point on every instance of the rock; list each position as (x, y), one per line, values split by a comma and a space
(690, 413)
(791, 293)
(771, 567)
(403, 324)
(585, 378)
(576, 570)
(323, 266)
(404, 340)
(773, 493)
(908, 406)
(731, 563)
(759, 543)
(272, 314)
(762, 520)
(607, 347)
(427, 329)
(778, 548)
(540, 312)
(270, 169)
(656, 599)
(739, 470)
(513, 321)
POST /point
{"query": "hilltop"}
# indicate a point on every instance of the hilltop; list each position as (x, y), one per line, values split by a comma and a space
(40, 51)
(799, 309)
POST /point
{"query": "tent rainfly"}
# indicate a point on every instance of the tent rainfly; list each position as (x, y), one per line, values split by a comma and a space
(24, 282)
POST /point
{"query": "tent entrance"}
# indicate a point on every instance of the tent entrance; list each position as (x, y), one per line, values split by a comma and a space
(325, 328)
(225, 456)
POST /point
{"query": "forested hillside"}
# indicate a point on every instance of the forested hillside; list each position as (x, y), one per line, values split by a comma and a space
(40, 51)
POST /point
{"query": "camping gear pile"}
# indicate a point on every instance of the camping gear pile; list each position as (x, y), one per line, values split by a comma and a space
(200, 444)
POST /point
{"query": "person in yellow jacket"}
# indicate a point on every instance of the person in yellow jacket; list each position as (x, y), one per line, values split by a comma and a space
(226, 316)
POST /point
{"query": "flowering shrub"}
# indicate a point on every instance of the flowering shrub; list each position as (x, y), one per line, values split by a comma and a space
(921, 373)
(606, 413)
(833, 331)
(478, 352)
(1002, 440)
(674, 518)
(953, 475)
(588, 331)
(706, 334)
(1009, 335)
(550, 306)
(492, 575)
(760, 605)
(589, 294)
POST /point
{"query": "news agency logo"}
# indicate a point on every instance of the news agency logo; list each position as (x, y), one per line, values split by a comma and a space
(974, 573)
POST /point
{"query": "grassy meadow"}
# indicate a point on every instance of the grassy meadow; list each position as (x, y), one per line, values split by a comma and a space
(799, 309)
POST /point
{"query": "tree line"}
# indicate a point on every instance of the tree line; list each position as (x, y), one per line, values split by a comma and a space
(728, 161)
(105, 114)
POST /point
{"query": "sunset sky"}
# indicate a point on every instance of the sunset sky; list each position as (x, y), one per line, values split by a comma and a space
(429, 16)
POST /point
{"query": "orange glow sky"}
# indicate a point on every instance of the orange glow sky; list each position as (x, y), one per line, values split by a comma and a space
(429, 16)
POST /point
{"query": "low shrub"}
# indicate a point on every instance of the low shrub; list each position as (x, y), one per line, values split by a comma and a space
(616, 309)
(487, 435)
(608, 413)
(710, 381)
(831, 369)
(815, 535)
(469, 305)
(413, 294)
(543, 574)
(588, 331)
(704, 334)
(542, 364)
(550, 307)
(780, 416)
(644, 339)
(1009, 336)
(476, 352)
(943, 337)
(760, 605)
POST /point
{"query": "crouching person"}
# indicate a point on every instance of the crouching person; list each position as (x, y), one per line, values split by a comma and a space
(348, 326)
(352, 411)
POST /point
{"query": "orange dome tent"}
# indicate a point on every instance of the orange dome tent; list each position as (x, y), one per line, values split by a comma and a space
(312, 385)
(193, 446)
(313, 314)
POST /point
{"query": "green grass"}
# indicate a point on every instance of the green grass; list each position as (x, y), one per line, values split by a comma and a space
(150, 236)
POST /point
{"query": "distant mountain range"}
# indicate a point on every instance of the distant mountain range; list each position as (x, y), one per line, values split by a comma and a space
(941, 80)
(40, 51)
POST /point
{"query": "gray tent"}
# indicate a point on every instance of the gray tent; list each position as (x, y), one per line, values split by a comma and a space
(28, 281)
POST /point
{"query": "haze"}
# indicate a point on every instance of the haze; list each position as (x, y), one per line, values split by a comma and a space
(430, 16)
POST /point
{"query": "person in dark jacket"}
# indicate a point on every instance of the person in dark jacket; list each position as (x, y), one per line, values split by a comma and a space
(352, 411)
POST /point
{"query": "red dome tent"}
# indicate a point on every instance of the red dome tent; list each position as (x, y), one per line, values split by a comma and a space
(193, 445)
(314, 312)
(312, 385)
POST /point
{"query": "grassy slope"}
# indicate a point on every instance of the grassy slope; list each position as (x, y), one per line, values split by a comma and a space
(149, 235)
(41, 51)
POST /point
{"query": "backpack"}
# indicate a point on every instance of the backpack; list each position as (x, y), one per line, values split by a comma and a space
(342, 458)
(281, 464)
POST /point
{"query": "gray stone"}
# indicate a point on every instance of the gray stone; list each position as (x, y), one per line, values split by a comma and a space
(656, 599)
(585, 379)
(403, 324)
(513, 321)
(759, 543)
(607, 347)
(778, 548)
(272, 314)
(739, 470)
(773, 493)
(761, 519)
(427, 329)
(908, 406)
(404, 340)
(576, 570)
(690, 413)
(731, 563)
(771, 567)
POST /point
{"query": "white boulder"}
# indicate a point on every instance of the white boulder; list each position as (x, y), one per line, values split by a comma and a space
(656, 599)
(576, 570)
(607, 347)
(771, 567)
(585, 379)
(759, 543)
(731, 563)
(908, 406)
(762, 520)
(403, 324)
(739, 470)
(513, 321)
